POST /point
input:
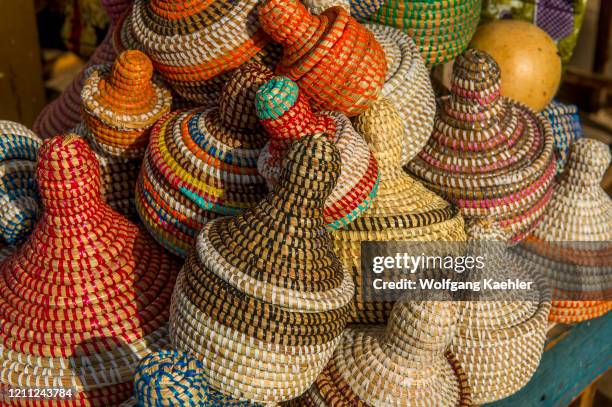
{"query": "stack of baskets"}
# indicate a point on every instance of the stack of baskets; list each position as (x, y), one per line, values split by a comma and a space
(408, 86)
(120, 105)
(403, 210)
(202, 163)
(286, 115)
(566, 127)
(64, 113)
(195, 44)
(337, 63)
(263, 300)
(500, 335)
(19, 200)
(87, 295)
(571, 247)
(488, 154)
(408, 363)
(441, 29)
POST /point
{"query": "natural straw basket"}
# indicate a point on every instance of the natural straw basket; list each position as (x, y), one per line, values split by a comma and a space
(489, 155)
(87, 295)
(441, 29)
(174, 379)
(319, 6)
(64, 113)
(337, 63)
(408, 86)
(19, 199)
(202, 163)
(262, 299)
(566, 127)
(500, 338)
(286, 115)
(406, 364)
(572, 246)
(403, 210)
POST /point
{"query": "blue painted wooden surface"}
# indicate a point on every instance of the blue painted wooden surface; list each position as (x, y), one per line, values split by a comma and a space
(572, 363)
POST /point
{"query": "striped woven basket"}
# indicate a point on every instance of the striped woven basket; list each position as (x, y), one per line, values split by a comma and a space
(337, 63)
(403, 210)
(319, 6)
(566, 127)
(406, 364)
(500, 337)
(202, 163)
(489, 155)
(362, 9)
(572, 246)
(19, 199)
(262, 299)
(441, 29)
(64, 113)
(87, 295)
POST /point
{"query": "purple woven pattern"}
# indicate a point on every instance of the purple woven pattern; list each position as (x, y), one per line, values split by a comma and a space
(556, 17)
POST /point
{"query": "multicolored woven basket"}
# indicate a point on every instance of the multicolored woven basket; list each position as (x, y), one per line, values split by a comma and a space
(287, 116)
(194, 45)
(337, 63)
(571, 247)
(408, 86)
(263, 299)
(202, 163)
(566, 127)
(489, 155)
(87, 295)
(64, 113)
(405, 364)
(19, 199)
(500, 337)
(362, 9)
(441, 29)
(170, 378)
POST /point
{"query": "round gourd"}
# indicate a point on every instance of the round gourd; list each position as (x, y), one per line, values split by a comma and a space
(528, 58)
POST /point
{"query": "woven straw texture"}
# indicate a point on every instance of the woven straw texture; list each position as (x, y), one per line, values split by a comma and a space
(408, 86)
(87, 295)
(319, 6)
(489, 155)
(362, 9)
(263, 300)
(170, 378)
(194, 45)
(19, 199)
(441, 29)
(337, 63)
(578, 228)
(121, 103)
(566, 127)
(403, 210)
(202, 163)
(287, 116)
(405, 364)
(64, 113)
(500, 340)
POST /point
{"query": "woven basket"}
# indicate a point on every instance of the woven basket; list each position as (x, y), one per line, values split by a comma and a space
(489, 155)
(286, 115)
(319, 6)
(202, 163)
(408, 86)
(337, 63)
(262, 299)
(500, 337)
(362, 9)
(403, 210)
(87, 295)
(405, 364)
(175, 379)
(566, 127)
(571, 247)
(19, 199)
(441, 29)
(64, 113)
